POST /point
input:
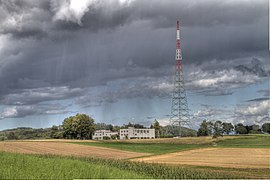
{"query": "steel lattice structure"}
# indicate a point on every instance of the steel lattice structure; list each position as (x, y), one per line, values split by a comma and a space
(179, 110)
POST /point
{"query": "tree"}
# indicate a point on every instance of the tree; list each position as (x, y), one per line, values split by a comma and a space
(156, 126)
(109, 127)
(58, 135)
(54, 130)
(138, 126)
(80, 126)
(115, 136)
(240, 129)
(266, 128)
(205, 128)
(106, 138)
(210, 127)
(227, 128)
(101, 126)
(172, 131)
(116, 128)
(217, 127)
(12, 135)
(254, 129)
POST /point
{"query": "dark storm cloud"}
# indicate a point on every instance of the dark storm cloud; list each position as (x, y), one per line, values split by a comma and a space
(258, 99)
(97, 15)
(265, 92)
(27, 110)
(47, 45)
(37, 95)
(200, 13)
(130, 88)
(24, 19)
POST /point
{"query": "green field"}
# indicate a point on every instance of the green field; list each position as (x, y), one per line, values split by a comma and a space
(18, 166)
(249, 141)
(153, 148)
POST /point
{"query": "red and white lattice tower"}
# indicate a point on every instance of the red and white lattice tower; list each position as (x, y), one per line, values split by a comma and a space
(179, 110)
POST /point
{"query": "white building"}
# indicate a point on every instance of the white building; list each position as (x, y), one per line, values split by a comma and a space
(133, 133)
(99, 134)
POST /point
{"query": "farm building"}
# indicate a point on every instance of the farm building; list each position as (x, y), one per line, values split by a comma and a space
(100, 134)
(133, 133)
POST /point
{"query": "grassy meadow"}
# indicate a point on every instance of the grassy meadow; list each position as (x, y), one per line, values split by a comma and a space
(20, 166)
(248, 141)
(153, 148)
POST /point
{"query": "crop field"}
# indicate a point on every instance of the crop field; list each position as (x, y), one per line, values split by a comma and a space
(60, 148)
(201, 157)
(216, 157)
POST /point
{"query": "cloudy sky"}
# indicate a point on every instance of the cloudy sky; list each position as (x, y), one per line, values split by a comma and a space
(114, 60)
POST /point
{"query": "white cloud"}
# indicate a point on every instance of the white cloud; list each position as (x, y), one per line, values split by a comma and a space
(164, 121)
(257, 108)
(220, 79)
(71, 10)
(8, 113)
(252, 113)
(125, 2)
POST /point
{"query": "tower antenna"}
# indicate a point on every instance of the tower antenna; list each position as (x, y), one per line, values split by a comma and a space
(179, 110)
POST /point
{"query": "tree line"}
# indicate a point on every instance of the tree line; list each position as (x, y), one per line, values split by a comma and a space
(219, 128)
(82, 126)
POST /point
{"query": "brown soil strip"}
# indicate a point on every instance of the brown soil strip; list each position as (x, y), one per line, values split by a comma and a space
(66, 149)
(216, 157)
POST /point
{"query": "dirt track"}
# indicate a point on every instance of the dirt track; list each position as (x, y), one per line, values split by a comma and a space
(68, 149)
(222, 157)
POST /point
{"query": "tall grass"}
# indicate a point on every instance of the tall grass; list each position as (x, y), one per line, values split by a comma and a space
(19, 166)
(162, 171)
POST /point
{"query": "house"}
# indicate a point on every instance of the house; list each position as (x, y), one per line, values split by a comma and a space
(133, 133)
(99, 134)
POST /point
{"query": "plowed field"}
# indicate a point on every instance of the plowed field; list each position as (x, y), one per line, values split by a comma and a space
(67, 149)
(221, 157)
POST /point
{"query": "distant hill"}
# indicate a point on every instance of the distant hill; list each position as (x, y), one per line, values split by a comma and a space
(173, 131)
(25, 133)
